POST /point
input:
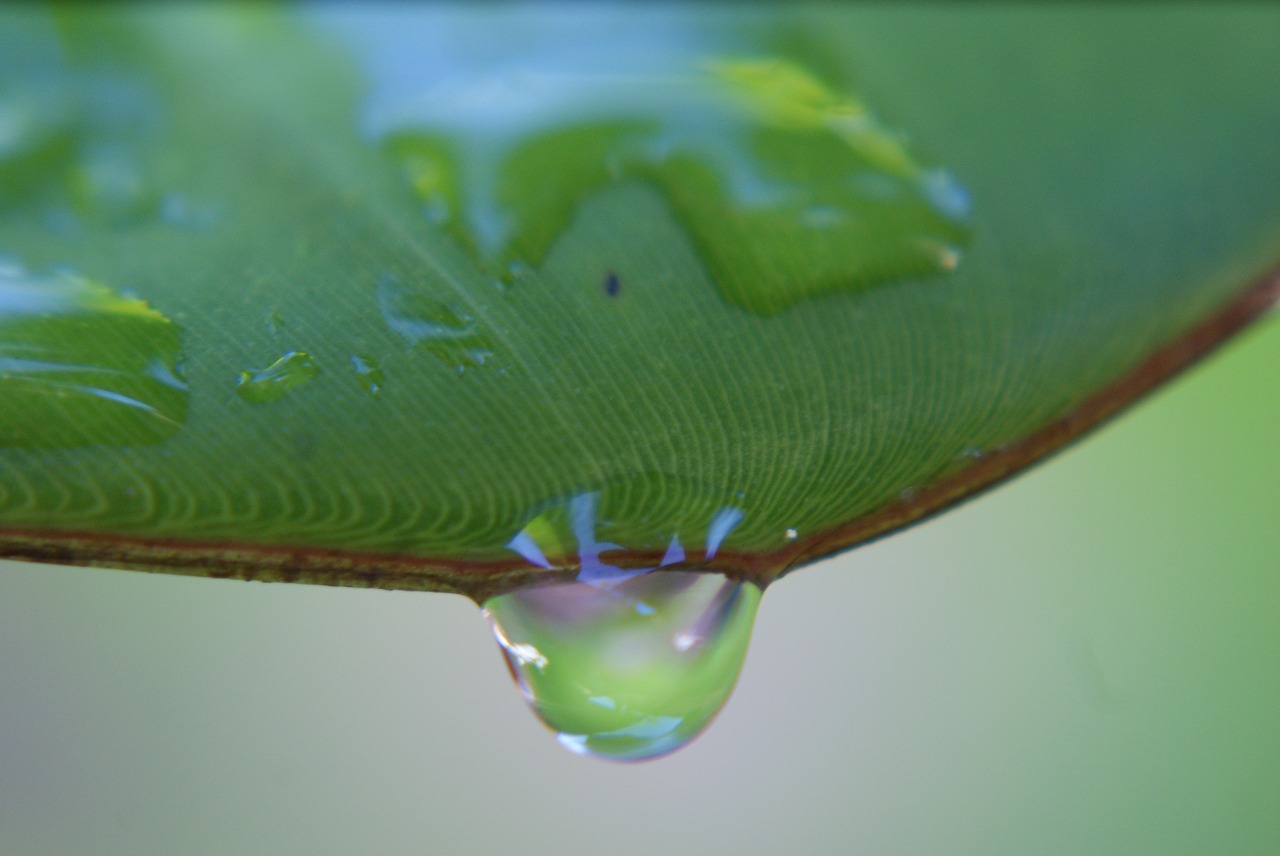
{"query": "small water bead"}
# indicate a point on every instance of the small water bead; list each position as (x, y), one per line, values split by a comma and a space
(289, 372)
(368, 372)
(630, 670)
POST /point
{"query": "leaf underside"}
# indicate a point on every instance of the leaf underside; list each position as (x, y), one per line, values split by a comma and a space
(376, 350)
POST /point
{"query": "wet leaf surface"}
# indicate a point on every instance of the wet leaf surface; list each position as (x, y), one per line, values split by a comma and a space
(825, 270)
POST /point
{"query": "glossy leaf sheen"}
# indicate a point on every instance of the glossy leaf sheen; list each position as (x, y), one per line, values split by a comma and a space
(648, 335)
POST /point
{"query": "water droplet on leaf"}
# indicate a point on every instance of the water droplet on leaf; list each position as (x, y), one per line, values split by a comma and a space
(272, 383)
(627, 662)
(789, 184)
(368, 372)
(83, 365)
(443, 329)
(630, 670)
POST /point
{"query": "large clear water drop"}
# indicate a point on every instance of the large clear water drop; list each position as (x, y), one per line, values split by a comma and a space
(443, 329)
(788, 181)
(82, 365)
(631, 670)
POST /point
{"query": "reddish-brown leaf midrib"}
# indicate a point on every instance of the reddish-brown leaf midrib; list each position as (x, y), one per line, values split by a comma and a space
(995, 467)
(482, 579)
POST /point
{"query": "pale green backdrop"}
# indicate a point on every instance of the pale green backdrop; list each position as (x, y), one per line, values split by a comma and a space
(1084, 662)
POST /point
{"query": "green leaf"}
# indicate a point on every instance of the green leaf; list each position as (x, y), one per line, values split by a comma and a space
(392, 292)
(82, 366)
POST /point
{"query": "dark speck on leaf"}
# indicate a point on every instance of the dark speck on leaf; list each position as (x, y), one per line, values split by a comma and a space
(612, 285)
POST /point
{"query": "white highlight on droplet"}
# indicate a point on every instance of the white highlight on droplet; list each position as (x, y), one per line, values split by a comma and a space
(524, 653)
(685, 641)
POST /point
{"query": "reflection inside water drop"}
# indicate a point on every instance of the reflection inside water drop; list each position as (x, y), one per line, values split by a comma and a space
(631, 670)
(633, 658)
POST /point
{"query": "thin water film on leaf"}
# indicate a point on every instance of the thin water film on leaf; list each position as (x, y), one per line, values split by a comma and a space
(797, 262)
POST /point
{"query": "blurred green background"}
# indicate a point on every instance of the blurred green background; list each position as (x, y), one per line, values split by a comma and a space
(1085, 661)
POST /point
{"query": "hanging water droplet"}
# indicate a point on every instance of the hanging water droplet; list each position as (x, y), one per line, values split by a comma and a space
(272, 383)
(368, 372)
(792, 534)
(627, 662)
(631, 670)
(83, 365)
